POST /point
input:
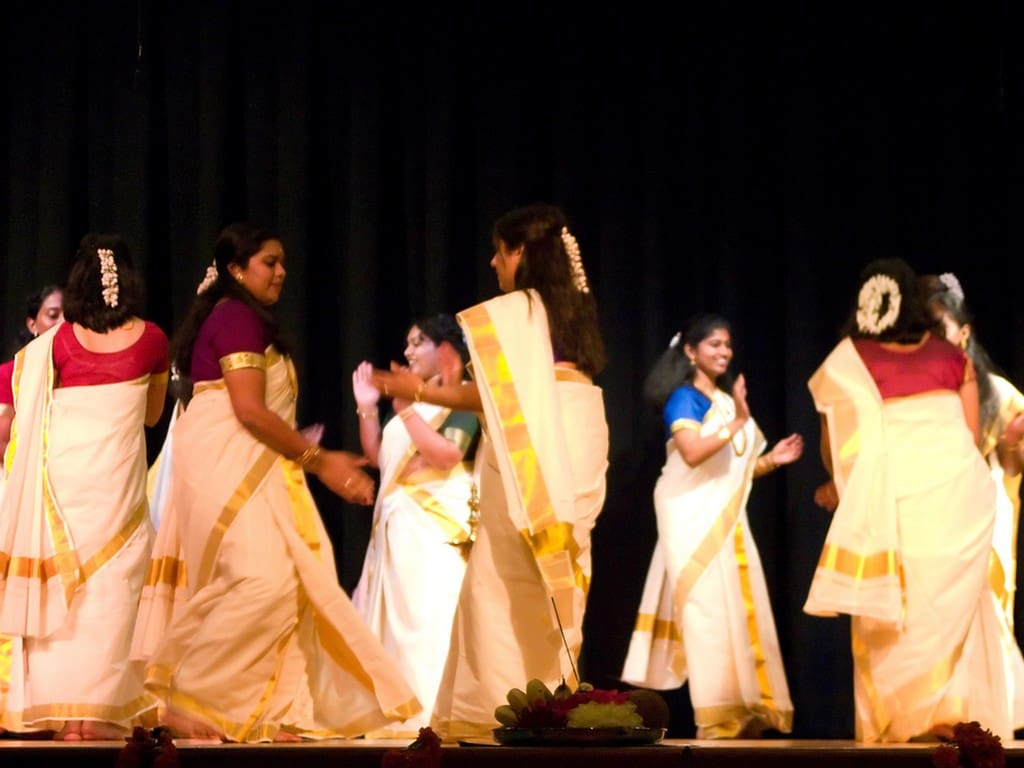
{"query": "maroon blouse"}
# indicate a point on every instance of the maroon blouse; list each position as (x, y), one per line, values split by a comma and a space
(232, 326)
(935, 365)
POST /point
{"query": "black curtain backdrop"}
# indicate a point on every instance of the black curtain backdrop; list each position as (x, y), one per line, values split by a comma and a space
(743, 159)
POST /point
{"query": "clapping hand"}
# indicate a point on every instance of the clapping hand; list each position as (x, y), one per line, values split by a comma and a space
(739, 397)
(787, 450)
(398, 382)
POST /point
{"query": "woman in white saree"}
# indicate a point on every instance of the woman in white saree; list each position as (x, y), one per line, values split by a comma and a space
(422, 523)
(705, 617)
(246, 632)
(43, 310)
(534, 351)
(907, 551)
(74, 534)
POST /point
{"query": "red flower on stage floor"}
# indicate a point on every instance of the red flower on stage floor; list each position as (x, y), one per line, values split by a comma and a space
(972, 747)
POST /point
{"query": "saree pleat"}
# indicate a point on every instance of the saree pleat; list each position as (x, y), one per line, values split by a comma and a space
(74, 544)
(242, 621)
(413, 568)
(542, 487)
(936, 657)
(705, 617)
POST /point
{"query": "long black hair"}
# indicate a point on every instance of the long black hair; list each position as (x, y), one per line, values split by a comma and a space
(236, 244)
(545, 267)
(674, 369)
(944, 293)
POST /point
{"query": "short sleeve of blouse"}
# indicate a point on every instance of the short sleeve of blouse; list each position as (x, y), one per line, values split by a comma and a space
(685, 409)
(154, 347)
(237, 329)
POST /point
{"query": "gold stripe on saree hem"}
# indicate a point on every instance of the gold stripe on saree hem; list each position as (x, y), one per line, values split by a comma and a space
(38, 716)
(46, 568)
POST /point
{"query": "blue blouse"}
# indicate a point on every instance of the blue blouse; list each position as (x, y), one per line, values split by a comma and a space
(685, 409)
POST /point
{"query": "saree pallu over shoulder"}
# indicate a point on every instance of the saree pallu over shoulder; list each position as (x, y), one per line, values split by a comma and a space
(513, 363)
(75, 539)
(858, 572)
(73, 495)
(542, 486)
(243, 623)
(705, 596)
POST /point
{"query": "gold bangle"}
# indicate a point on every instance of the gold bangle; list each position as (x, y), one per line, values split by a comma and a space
(370, 413)
(766, 463)
(406, 412)
(725, 434)
(310, 458)
(418, 397)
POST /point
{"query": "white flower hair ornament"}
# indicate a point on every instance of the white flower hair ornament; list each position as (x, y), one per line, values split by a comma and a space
(208, 279)
(870, 300)
(952, 285)
(108, 276)
(572, 248)
(675, 340)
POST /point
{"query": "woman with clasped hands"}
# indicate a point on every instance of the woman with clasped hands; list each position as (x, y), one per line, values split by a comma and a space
(266, 645)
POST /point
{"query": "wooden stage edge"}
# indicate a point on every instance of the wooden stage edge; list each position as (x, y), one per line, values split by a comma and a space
(681, 753)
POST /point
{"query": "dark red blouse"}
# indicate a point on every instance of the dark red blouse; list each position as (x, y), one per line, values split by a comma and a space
(232, 326)
(77, 366)
(935, 365)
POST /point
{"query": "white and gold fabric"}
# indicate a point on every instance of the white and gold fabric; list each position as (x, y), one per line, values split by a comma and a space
(906, 556)
(542, 487)
(705, 617)
(74, 545)
(242, 623)
(414, 563)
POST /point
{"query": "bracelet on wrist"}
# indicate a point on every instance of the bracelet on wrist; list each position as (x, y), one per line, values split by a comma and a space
(310, 458)
(406, 412)
(418, 397)
(368, 413)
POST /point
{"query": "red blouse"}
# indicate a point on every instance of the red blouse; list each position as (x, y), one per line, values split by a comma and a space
(77, 366)
(935, 365)
(6, 385)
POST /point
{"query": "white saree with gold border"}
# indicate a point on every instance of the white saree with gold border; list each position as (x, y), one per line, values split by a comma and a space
(1002, 565)
(74, 545)
(242, 621)
(705, 617)
(542, 487)
(414, 563)
(906, 557)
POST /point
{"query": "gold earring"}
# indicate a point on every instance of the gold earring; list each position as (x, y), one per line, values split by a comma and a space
(239, 277)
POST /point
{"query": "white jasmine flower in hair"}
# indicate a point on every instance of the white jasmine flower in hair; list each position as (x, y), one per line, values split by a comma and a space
(952, 284)
(870, 317)
(108, 276)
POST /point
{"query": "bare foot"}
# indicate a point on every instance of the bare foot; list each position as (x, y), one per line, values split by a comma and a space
(100, 730)
(72, 731)
(944, 732)
(187, 727)
(285, 736)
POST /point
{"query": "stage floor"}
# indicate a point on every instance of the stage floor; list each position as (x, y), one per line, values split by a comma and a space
(680, 753)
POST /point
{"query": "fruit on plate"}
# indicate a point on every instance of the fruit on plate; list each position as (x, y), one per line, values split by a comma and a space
(586, 707)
